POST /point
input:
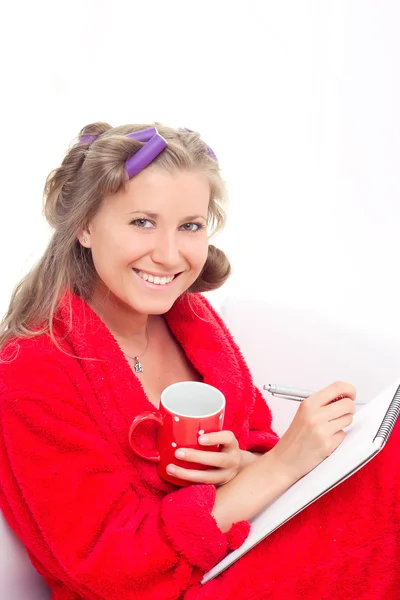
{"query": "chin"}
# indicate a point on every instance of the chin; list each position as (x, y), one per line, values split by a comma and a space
(151, 306)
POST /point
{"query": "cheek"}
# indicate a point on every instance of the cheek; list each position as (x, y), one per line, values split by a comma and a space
(111, 246)
(199, 254)
(105, 252)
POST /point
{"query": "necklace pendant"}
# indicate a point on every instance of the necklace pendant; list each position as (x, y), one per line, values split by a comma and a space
(138, 365)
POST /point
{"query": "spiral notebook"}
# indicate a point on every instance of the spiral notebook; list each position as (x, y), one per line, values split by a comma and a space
(366, 436)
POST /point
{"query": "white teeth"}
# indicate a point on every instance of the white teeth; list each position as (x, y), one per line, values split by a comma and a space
(155, 279)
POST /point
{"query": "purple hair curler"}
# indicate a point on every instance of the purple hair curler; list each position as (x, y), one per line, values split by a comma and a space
(210, 152)
(155, 144)
(87, 139)
(143, 135)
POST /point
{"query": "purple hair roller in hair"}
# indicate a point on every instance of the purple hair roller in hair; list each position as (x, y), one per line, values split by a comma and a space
(143, 135)
(210, 152)
(87, 139)
(155, 144)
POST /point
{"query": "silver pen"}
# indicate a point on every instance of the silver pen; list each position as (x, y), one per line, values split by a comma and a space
(291, 393)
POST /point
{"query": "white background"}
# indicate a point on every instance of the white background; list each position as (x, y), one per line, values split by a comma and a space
(300, 100)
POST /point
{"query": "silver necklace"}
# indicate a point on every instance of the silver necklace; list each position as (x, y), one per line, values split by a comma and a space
(138, 365)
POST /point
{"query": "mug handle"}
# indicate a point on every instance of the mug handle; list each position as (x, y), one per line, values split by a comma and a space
(153, 454)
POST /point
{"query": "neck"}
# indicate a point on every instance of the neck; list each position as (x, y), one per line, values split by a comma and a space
(127, 326)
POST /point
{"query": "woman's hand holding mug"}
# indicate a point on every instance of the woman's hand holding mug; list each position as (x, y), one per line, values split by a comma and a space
(223, 465)
(191, 446)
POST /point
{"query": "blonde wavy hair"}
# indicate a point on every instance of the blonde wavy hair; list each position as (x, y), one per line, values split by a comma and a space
(73, 194)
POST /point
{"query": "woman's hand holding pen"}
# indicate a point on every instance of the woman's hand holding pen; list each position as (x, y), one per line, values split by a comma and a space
(316, 430)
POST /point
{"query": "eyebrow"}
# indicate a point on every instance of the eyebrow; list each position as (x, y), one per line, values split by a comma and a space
(153, 215)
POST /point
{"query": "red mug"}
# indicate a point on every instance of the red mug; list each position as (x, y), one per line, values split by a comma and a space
(188, 409)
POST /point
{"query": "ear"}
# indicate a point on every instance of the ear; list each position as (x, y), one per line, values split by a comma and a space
(84, 238)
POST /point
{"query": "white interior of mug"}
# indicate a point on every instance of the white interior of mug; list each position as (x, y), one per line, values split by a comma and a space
(192, 399)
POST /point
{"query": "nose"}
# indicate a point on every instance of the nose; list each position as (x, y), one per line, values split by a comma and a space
(166, 250)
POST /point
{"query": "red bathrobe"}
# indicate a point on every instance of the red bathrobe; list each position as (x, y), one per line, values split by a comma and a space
(100, 524)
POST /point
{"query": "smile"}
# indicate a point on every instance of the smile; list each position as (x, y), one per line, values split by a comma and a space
(154, 279)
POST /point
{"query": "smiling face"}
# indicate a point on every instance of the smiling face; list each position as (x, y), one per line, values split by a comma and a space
(149, 242)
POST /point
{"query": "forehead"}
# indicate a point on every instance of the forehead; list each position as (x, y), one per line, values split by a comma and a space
(158, 190)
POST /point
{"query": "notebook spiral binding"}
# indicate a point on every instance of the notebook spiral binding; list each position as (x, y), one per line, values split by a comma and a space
(390, 418)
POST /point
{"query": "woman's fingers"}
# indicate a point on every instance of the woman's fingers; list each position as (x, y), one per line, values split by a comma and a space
(223, 465)
(339, 408)
(340, 423)
(224, 438)
(333, 391)
(222, 460)
(215, 477)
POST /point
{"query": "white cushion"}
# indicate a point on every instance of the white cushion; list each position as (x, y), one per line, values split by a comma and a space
(19, 580)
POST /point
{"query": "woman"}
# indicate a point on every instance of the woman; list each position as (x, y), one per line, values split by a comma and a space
(107, 319)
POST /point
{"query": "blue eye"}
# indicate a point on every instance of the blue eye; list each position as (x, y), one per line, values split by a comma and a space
(142, 223)
(192, 227)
